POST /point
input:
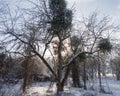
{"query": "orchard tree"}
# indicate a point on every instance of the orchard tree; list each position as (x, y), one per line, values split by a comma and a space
(61, 22)
(93, 33)
(32, 33)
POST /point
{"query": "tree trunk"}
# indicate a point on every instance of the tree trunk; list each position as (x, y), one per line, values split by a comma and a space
(59, 69)
(99, 76)
(25, 81)
(60, 88)
(26, 75)
(84, 76)
(118, 75)
(75, 75)
(99, 73)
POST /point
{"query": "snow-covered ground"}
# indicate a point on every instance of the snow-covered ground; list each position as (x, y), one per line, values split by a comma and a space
(111, 86)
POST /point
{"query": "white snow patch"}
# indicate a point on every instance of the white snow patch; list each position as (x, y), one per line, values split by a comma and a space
(41, 89)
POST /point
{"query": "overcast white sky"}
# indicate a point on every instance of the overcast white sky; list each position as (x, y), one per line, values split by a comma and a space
(107, 7)
(85, 7)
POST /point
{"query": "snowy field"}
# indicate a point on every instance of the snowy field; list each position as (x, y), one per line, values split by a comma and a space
(111, 86)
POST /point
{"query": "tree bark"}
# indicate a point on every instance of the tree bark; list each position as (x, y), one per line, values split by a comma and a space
(60, 70)
(99, 72)
(84, 76)
(75, 75)
(60, 88)
(26, 74)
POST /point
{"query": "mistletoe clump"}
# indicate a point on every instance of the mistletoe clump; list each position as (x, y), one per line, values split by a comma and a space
(104, 45)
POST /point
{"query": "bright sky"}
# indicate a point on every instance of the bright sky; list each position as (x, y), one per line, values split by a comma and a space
(85, 7)
(109, 8)
(106, 7)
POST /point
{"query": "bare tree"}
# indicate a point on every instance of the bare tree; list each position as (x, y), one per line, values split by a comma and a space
(93, 30)
(44, 23)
